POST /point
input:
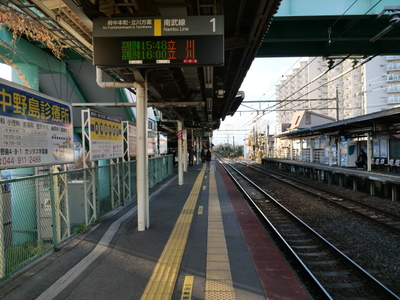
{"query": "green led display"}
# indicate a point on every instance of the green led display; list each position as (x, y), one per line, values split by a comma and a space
(150, 51)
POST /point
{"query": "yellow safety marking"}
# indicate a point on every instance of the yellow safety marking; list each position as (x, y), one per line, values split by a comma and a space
(218, 272)
(187, 288)
(157, 27)
(200, 211)
(162, 281)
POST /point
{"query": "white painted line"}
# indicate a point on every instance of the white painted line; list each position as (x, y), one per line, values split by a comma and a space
(57, 287)
(65, 280)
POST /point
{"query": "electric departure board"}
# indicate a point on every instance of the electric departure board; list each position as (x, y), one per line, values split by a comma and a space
(142, 51)
(143, 42)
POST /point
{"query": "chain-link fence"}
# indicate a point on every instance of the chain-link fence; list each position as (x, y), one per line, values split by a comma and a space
(40, 212)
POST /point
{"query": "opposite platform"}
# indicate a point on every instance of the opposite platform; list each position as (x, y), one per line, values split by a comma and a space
(203, 243)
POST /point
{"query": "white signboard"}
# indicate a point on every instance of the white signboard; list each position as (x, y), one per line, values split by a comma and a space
(105, 136)
(132, 139)
(35, 129)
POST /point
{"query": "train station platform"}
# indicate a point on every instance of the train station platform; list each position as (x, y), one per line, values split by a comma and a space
(381, 180)
(204, 242)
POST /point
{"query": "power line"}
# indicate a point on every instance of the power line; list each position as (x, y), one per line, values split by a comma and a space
(256, 101)
(334, 65)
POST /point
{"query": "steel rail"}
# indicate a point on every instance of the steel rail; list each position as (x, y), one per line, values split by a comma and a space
(394, 218)
(372, 282)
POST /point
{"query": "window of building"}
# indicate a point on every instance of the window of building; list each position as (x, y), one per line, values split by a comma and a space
(308, 118)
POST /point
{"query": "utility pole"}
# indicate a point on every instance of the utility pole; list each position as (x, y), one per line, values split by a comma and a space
(337, 104)
(267, 145)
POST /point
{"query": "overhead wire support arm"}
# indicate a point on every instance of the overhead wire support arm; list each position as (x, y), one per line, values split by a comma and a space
(278, 100)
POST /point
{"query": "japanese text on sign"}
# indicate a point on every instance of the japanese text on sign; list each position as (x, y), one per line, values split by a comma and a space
(105, 136)
(34, 129)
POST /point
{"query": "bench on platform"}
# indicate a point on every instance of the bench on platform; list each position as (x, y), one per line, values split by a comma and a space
(374, 162)
(391, 165)
(396, 165)
(379, 163)
(382, 163)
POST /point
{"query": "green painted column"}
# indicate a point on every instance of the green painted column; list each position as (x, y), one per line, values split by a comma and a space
(24, 200)
(104, 189)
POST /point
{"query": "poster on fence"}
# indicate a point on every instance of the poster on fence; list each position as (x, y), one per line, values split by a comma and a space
(35, 129)
(105, 136)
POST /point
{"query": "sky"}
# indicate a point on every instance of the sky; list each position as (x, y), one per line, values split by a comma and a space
(5, 72)
(259, 84)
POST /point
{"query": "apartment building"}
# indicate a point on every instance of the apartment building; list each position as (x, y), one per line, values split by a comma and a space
(341, 93)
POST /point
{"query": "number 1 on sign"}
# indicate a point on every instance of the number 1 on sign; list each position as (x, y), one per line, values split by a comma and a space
(213, 24)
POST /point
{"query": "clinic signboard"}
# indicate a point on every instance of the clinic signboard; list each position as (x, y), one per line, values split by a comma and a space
(35, 129)
(105, 136)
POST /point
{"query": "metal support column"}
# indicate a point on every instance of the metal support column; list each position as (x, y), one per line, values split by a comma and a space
(141, 157)
(126, 170)
(369, 151)
(89, 174)
(394, 192)
(180, 165)
(185, 150)
(355, 184)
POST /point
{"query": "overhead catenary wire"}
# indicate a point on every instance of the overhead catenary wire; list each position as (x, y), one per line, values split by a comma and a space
(346, 72)
(331, 42)
(314, 45)
(278, 105)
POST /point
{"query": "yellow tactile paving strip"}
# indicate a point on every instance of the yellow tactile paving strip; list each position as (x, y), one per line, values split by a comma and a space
(162, 282)
(218, 273)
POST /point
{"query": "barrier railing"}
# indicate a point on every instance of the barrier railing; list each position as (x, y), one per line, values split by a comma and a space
(39, 213)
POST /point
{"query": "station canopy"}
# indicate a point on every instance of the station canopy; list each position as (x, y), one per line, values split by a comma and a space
(203, 87)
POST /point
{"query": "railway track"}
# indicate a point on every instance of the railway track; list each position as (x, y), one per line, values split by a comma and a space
(331, 273)
(374, 214)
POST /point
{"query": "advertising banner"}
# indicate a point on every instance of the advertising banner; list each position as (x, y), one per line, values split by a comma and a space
(105, 136)
(35, 129)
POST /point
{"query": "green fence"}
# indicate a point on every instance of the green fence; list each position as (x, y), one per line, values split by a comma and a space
(41, 212)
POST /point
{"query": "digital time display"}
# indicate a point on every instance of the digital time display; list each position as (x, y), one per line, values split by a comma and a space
(150, 51)
(160, 49)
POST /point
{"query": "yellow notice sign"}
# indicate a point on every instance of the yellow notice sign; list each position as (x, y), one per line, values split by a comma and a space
(105, 136)
(105, 128)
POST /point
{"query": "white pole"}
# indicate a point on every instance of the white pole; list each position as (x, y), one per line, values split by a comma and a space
(180, 162)
(185, 150)
(141, 158)
(141, 141)
(369, 152)
(146, 161)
